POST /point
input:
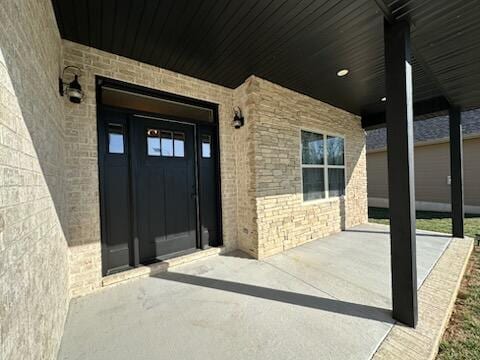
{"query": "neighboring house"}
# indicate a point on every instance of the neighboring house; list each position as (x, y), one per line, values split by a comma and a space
(432, 164)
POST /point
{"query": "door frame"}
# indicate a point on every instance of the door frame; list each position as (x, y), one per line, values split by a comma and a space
(101, 81)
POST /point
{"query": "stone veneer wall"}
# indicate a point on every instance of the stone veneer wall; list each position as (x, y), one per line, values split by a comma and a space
(275, 117)
(81, 152)
(33, 250)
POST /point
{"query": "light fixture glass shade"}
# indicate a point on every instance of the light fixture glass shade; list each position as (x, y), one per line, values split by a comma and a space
(74, 91)
(237, 122)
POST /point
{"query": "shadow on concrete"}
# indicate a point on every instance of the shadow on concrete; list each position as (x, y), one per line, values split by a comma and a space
(298, 299)
(388, 232)
(238, 254)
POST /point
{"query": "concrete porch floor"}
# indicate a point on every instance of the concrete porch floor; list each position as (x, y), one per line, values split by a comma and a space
(328, 299)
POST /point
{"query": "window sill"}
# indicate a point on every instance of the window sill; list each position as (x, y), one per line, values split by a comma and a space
(321, 201)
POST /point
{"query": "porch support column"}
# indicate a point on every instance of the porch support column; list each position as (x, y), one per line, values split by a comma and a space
(399, 120)
(456, 171)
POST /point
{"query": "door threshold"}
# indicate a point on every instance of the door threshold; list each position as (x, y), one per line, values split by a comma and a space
(175, 259)
(119, 269)
(177, 254)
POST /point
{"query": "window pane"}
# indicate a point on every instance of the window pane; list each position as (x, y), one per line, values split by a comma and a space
(313, 184)
(153, 142)
(336, 182)
(206, 147)
(312, 148)
(179, 144)
(167, 143)
(115, 139)
(153, 145)
(115, 143)
(335, 149)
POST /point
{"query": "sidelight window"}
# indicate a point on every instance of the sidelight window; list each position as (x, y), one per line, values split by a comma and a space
(115, 139)
(206, 146)
(323, 166)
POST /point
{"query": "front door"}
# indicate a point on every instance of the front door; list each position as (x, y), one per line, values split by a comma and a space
(159, 186)
(165, 187)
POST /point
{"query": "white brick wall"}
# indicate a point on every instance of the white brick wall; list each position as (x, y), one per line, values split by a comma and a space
(33, 249)
(81, 152)
(247, 231)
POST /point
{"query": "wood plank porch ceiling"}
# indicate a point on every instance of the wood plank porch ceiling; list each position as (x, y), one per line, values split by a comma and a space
(299, 44)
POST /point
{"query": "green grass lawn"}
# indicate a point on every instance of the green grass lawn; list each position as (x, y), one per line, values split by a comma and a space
(461, 340)
(429, 220)
(462, 337)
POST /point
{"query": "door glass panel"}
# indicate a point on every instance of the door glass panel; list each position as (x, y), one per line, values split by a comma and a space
(153, 142)
(166, 143)
(179, 144)
(206, 146)
(115, 139)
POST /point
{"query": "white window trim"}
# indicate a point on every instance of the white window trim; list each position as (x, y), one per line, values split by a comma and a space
(325, 166)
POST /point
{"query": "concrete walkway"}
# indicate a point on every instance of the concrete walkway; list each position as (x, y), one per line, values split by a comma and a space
(328, 299)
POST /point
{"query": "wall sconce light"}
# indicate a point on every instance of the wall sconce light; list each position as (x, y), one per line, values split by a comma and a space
(238, 120)
(73, 89)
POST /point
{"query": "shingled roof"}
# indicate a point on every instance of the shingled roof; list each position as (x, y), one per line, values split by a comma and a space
(428, 130)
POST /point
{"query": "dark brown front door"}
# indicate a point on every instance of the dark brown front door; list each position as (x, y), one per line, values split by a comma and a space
(164, 170)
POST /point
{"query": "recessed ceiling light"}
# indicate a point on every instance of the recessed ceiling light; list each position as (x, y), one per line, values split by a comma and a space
(342, 72)
(383, 99)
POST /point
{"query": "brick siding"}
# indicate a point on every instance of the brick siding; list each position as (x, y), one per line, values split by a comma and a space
(33, 249)
(81, 152)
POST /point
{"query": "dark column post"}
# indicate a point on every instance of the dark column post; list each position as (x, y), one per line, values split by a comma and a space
(401, 186)
(456, 171)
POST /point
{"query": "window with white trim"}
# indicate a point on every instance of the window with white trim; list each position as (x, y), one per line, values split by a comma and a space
(323, 166)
